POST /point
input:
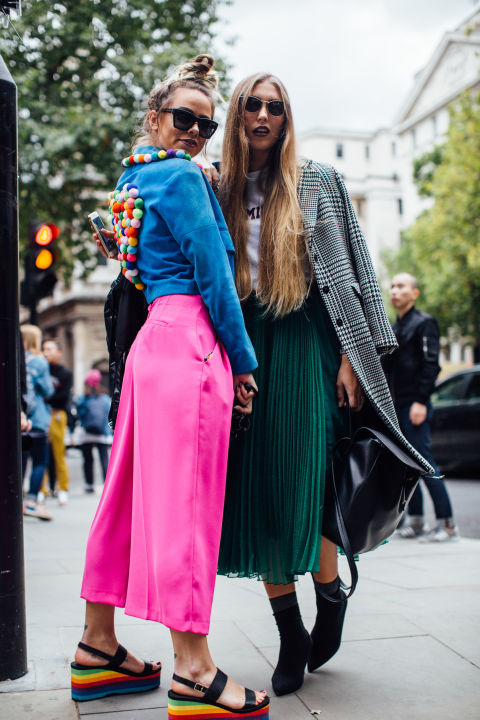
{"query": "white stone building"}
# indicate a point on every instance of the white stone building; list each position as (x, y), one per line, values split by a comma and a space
(377, 166)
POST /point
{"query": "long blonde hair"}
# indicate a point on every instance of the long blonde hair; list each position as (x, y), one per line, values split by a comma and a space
(32, 338)
(282, 286)
(197, 74)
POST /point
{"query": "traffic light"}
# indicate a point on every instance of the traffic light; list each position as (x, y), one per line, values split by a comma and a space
(40, 261)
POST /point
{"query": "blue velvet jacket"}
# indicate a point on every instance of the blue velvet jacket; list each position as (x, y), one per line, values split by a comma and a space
(185, 248)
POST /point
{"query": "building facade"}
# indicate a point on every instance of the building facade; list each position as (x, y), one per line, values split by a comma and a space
(377, 166)
(74, 316)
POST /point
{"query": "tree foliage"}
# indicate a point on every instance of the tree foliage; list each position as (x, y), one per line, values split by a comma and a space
(83, 70)
(424, 168)
(442, 248)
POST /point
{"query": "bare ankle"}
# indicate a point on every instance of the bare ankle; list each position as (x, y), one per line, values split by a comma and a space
(100, 640)
(194, 668)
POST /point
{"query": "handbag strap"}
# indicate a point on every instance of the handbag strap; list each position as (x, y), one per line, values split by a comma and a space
(346, 547)
(342, 530)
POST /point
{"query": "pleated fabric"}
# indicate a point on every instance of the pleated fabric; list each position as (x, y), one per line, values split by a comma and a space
(272, 522)
(153, 544)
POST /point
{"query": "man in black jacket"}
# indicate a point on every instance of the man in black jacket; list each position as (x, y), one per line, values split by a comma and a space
(412, 372)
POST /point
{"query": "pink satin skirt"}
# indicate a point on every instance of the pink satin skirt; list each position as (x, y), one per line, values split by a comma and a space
(153, 545)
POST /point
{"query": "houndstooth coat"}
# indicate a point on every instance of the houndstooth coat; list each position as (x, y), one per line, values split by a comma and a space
(347, 283)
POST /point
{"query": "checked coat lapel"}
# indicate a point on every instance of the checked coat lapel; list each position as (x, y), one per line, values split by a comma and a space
(347, 283)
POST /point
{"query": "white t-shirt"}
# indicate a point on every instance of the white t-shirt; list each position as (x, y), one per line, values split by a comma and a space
(254, 210)
(255, 200)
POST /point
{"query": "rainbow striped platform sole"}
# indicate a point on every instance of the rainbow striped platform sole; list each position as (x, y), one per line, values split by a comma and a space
(92, 683)
(198, 710)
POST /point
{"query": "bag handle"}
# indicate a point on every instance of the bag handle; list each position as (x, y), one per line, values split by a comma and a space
(346, 547)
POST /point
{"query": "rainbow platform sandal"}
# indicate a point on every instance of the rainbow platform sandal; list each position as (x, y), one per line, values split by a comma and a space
(186, 707)
(90, 683)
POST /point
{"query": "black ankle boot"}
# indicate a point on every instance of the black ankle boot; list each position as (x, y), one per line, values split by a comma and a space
(327, 632)
(295, 645)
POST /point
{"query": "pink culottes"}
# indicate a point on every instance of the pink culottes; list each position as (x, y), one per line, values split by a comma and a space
(153, 545)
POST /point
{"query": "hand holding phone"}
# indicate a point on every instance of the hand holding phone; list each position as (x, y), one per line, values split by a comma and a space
(108, 244)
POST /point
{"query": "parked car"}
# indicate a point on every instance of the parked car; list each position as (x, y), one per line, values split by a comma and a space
(455, 425)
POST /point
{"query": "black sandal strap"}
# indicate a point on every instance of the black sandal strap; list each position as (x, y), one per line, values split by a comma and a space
(119, 656)
(250, 699)
(217, 687)
(94, 651)
(115, 660)
(213, 692)
(190, 683)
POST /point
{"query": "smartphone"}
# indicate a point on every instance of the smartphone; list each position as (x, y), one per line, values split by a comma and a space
(108, 244)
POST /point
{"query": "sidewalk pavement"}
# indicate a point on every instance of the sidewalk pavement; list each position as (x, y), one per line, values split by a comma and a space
(410, 649)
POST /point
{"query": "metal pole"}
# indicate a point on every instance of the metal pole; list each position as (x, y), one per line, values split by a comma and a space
(13, 644)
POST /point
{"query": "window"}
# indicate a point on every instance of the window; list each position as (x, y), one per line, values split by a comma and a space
(339, 150)
(367, 152)
(359, 207)
(473, 390)
(394, 149)
(434, 126)
(450, 390)
(414, 138)
(400, 206)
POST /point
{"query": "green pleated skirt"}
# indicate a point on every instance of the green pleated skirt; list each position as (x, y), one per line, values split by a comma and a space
(272, 523)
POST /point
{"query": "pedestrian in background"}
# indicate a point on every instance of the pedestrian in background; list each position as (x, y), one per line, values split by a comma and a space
(39, 388)
(314, 312)
(92, 412)
(59, 403)
(412, 371)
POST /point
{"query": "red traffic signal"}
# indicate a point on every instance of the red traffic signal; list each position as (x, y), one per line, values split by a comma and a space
(44, 237)
(40, 261)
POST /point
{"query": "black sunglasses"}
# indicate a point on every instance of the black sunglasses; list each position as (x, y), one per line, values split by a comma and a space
(274, 107)
(185, 119)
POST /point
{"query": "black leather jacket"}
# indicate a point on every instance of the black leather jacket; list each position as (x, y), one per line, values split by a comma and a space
(125, 312)
(413, 368)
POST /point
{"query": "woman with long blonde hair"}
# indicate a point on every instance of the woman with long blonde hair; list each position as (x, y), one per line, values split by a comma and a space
(314, 312)
(39, 387)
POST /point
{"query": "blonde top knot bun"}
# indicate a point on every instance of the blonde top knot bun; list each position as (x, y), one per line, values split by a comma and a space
(197, 74)
(200, 70)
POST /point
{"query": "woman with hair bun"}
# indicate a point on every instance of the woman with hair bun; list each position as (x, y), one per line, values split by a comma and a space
(153, 544)
(314, 312)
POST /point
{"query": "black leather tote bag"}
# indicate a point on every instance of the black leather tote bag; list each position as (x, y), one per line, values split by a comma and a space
(371, 481)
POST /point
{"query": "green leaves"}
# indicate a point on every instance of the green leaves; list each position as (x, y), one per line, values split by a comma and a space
(83, 71)
(442, 248)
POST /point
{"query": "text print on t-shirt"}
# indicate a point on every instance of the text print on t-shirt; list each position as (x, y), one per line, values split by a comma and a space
(255, 213)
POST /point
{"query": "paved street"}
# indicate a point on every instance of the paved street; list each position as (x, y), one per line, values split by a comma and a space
(410, 644)
(465, 497)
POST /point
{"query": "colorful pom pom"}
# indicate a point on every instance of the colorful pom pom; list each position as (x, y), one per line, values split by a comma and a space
(127, 208)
